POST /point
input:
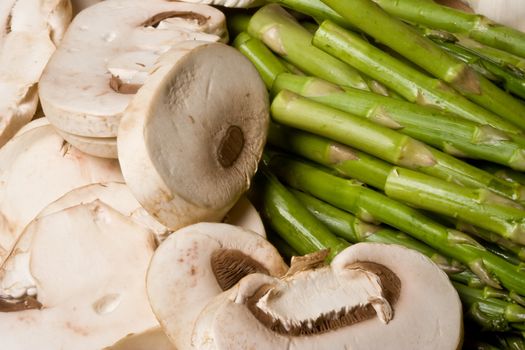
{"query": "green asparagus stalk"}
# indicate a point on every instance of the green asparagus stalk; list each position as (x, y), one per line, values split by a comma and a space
(290, 219)
(313, 8)
(503, 172)
(237, 23)
(286, 37)
(409, 82)
(474, 26)
(268, 66)
(282, 246)
(509, 79)
(476, 206)
(293, 110)
(402, 38)
(494, 314)
(351, 196)
(353, 230)
(447, 132)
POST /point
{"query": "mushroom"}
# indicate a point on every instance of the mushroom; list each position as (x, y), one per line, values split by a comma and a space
(35, 123)
(191, 138)
(30, 31)
(229, 3)
(88, 264)
(372, 296)
(36, 168)
(152, 339)
(104, 147)
(113, 36)
(197, 263)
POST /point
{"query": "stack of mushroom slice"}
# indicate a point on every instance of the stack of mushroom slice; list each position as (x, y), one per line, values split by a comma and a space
(87, 263)
(36, 168)
(191, 138)
(372, 296)
(117, 42)
(197, 263)
(30, 30)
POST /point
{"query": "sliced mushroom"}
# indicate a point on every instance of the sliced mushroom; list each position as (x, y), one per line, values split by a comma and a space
(229, 3)
(197, 263)
(32, 125)
(372, 296)
(104, 147)
(245, 215)
(87, 99)
(192, 137)
(152, 339)
(88, 264)
(37, 168)
(30, 31)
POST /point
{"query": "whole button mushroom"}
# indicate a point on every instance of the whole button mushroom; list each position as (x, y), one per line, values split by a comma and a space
(372, 296)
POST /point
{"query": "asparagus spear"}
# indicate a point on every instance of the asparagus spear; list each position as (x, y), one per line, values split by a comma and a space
(408, 81)
(299, 112)
(313, 8)
(494, 314)
(286, 37)
(475, 26)
(449, 133)
(268, 66)
(390, 31)
(503, 173)
(290, 219)
(353, 230)
(352, 196)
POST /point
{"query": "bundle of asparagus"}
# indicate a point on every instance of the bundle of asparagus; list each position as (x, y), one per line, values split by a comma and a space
(398, 122)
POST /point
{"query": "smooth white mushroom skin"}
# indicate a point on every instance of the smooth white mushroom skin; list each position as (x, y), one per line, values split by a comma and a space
(84, 99)
(187, 160)
(229, 3)
(181, 278)
(244, 214)
(152, 339)
(88, 263)
(30, 31)
(427, 306)
(36, 168)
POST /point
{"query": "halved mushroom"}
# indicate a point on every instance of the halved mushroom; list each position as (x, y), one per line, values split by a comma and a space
(87, 99)
(197, 263)
(191, 138)
(152, 339)
(372, 296)
(88, 264)
(37, 168)
(30, 31)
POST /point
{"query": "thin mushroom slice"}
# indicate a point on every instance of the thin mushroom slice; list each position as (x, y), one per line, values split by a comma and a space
(366, 299)
(111, 36)
(88, 263)
(152, 339)
(30, 31)
(229, 3)
(245, 215)
(190, 140)
(37, 168)
(35, 123)
(104, 147)
(198, 262)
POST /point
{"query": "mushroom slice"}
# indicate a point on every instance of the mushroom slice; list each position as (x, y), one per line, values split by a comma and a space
(245, 215)
(198, 262)
(152, 339)
(229, 3)
(88, 263)
(113, 36)
(104, 147)
(366, 299)
(35, 123)
(191, 138)
(37, 168)
(30, 31)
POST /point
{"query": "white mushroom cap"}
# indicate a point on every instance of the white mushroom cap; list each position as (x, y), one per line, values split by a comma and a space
(89, 264)
(184, 272)
(152, 339)
(78, 98)
(427, 305)
(191, 139)
(37, 168)
(30, 30)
